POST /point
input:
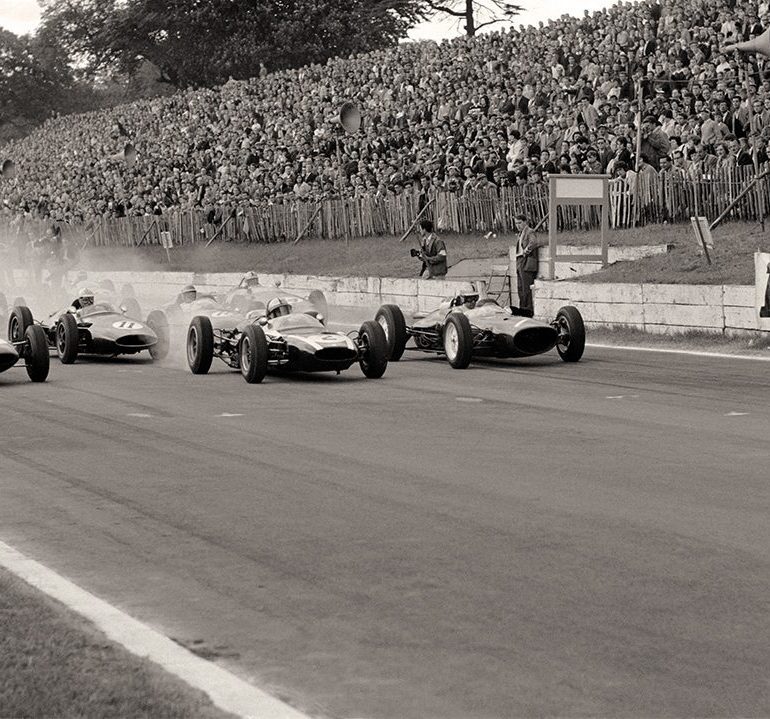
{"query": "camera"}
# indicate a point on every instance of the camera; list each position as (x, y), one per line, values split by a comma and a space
(414, 253)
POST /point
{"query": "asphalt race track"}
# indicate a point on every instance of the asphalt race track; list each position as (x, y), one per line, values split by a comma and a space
(516, 539)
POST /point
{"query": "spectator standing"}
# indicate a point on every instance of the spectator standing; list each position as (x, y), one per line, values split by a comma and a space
(432, 252)
(527, 246)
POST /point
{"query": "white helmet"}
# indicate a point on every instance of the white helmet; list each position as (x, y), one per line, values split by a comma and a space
(250, 279)
(277, 307)
(189, 293)
(85, 297)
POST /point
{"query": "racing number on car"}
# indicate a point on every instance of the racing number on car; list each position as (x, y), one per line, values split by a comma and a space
(126, 325)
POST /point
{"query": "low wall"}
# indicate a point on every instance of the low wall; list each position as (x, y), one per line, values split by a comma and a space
(719, 309)
(414, 295)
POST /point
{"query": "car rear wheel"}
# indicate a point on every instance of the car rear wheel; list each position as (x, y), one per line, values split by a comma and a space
(391, 319)
(200, 345)
(133, 310)
(158, 323)
(572, 334)
(318, 300)
(374, 350)
(252, 354)
(458, 340)
(36, 357)
(67, 338)
(20, 319)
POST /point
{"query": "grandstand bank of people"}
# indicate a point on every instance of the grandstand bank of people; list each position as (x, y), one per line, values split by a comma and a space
(470, 117)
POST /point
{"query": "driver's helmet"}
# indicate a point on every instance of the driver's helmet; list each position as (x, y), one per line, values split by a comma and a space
(468, 301)
(250, 279)
(85, 297)
(189, 294)
(277, 307)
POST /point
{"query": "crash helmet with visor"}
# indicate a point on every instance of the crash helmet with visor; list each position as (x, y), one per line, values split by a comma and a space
(277, 307)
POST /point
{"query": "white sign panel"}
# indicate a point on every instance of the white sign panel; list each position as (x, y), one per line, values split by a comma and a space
(586, 188)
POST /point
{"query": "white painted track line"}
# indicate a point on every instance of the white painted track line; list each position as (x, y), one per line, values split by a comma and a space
(225, 690)
(693, 353)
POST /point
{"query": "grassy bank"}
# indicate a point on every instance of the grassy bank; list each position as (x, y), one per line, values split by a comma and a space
(373, 256)
(55, 664)
(387, 257)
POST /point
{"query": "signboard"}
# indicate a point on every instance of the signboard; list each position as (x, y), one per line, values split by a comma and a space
(166, 241)
(586, 190)
(702, 231)
(762, 291)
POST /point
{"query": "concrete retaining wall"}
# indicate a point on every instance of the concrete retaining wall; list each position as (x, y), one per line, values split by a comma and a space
(720, 309)
(158, 288)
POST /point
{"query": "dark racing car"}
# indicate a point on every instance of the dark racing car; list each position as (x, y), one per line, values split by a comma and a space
(26, 341)
(96, 328)
(281, 340)
(465, 327)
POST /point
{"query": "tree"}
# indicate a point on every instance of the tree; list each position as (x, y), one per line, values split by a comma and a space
(35, 82)
(204, 42)
(476, 13)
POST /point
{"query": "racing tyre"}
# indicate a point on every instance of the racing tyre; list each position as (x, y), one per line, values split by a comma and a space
(374, 351)
(458, 340)
(133, 310)
(36, 355)
(20, 319)
(158, 323)
(391, 319)
(200, 345)
(252, 354)
(318, 300)
(572, 334)
(67, 338)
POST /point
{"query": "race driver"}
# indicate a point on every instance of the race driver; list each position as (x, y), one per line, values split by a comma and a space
(250, 280)
(84, 299)
(187, 295)
(277, 307)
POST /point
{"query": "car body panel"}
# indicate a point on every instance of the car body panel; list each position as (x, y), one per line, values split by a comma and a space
(497, 331)
(8, 355)
(104, 330)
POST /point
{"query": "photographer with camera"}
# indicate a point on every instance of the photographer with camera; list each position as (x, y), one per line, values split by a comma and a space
(432, 252)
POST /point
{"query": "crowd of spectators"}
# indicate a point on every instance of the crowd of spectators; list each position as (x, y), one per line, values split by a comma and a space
(466, 115)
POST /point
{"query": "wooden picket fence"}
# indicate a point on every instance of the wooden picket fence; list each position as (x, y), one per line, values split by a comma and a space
(650, 201)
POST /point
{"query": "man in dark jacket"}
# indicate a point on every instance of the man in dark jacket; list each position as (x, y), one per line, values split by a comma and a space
(432, 251)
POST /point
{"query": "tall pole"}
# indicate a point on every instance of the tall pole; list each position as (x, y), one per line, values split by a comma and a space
(638, 86)
(341, 183)
(754, 155)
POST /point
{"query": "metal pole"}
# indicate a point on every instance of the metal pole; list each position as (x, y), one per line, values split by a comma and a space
(341, 183)
(754, 157)
(309, 223)
(416, 220)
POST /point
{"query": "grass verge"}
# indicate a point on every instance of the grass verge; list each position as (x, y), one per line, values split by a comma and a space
(372, 256)
(53, 663)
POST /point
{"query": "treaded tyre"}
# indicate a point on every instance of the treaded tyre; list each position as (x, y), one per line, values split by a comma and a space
(158, 323)
(20, 319)
(458, 340)
(572, 334)
(391, 319)
(200, 345)
(133, 310)
(374, 353)
(36, 357)
(67, 338)
(252, 354)
(318, 300)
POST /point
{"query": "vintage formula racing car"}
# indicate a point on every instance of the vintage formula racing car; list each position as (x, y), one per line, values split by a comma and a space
(294, 342)
(249, 295)
(175, 317)
(26, 341)
(95, 328)
(466, 326)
